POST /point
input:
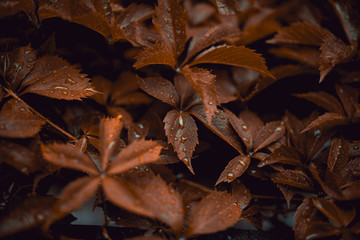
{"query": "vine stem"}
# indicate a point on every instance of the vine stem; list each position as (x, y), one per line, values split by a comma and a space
(40, 115)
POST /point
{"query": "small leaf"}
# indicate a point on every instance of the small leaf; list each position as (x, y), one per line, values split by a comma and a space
(159, 198)
(161, 89)
(268, 134)
(26, 214)
(187, 93)
(220, 125)
(294, 178)
(235, 56)
(288, 194)
(73, 196)
(327, 120)
(204, 84)
(181, 131)
(55, 78)
(155, 54)
(215, 212)
(324, 100)
(299, 33)
(235, 168)
(110, 129)
(136, 154)
(66, 155)
(210, 36)
(125, 196)
(17, 121)
(171, 23)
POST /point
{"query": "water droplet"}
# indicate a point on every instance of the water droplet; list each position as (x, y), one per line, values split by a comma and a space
(27, 51)
(317, 133)
(230, 176)
(65, 92)
(168, 36)
(24, 170)
(161, 92)
(166, 20)
(341, 90)
(253, 171)
(28, 65)
(246, 140)
(22, 109)
(176, 138)
(136, 168)
(82, 76)
(57, 87)
(217, 112)
(210, 103)
(163, 84)
(278, 129)
(244, 127)
(184, 150)
(178, 69)
(183, 139)
(355, 147)
(40, 217)
(169, 9)
(171, 96)
(241, 163)
(70, 81)
(181, 122)
(186, 161)
(90, 90)
(30, 59)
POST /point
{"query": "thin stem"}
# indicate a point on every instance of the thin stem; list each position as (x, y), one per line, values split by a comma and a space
(40, 115)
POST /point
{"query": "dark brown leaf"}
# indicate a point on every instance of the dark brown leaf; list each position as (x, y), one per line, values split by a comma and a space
(8, 8)
(155, 54)
(235, 56)
(293, 178)
(321, 230)
(204, 84)
(288, 194)
(27, 213)
(136, 154)
(181, 131)
(241, 194)
(324, 100)
(338, 156)
(187, 93)
(349, 97)
(299, 33)
(161, 89)
(253, 122)
(257, 31)
(54, 77)
(229, 7)
(198, 12)
(235, 168)
(171, 23)
(268, 134)
(216, 212)
(327, 120)
(306, 55)
(283, 155)
(66, 155)
(220, 125)
(304, 214)
(17, 121)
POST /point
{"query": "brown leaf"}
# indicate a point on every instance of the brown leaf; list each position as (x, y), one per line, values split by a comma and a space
(66, 155)
(235, 168)
(216, 212)
(187, 93)
(235, 56)
(294, 178)
(26, 214)
(327, 120)
(73, 196)
(136, 154)
(268, 134)
(284, 155)
(8, 8)
(306, 55)
(210, 36)
(159, 198)
(155, 54)
(204, 84)
(257, 31)
(134, 13)
(171, 23)
(349, 97)
(321, 230)
(124, 195)
(253, 122)
(110, 129)
(228, 7)
(17, 121)
(333, 52)
(152, 237)
(324, 100)
(304, 214)
(241, 194)
(198, 12)
(19, 157)
(161, 89)
(241, 129)
(338, 156)
(299, 33)
(181, 131)
(288, 194)
(54, 77)
(220, 125)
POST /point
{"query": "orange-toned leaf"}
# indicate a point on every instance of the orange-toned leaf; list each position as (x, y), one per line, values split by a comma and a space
(136, 154)
(235, 168)
(110, 129)
(187, 94)
(125, 196)
(268, 134)
(327, 120)
(293, 178)
(299, 33)
(220, 125)
(54, 77)
(216, 212)
(210, 36)
(252, 121)
(306, 55)
(155, 54)
(204, 84)
(27, 213)
(171, 23)
(235, 56)
(17, 121)
(73, 196)
(66, 155)
(258, 31)
(241, 194)
(161, 89)
(181, 131)
(19, 157)
(159, 198)
(324, 100)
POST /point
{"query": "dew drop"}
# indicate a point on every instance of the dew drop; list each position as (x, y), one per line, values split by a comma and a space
(168, 36)
(244, 127)
(40, 217)
(28, 65)
(90, 90)
(317, 133)
(181, 122)
(230, 176)
(65, 92)
(22, 109)
(70, 81)
(163, 84)
(246, 140)
(217, 112)
(278, 129)
(241, 163)
(27, 51)
(341, 90)
(176, 138)
(184, 149)
(171, 96)
(24, 170)
(60, 87)
(210, 103)
(186, 161)
(169, 9)
(30, 59)
(161, 92)
(183, 139)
